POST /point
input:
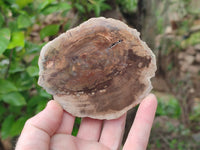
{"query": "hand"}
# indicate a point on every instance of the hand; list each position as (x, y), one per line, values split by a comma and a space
(51, 129)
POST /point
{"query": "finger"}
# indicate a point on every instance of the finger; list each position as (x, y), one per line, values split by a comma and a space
(112, 132)
(139, 134)
(37, 130)
(68, 142)
(67, 124)
(90, 129)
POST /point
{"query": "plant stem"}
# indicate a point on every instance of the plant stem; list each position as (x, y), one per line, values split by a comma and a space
(10, 59)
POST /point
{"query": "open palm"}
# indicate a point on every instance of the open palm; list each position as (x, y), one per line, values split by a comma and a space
(51, 129)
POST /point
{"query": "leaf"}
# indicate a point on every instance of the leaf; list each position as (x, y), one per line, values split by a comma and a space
(32, 48)
(6, 126)
(6, 86)
(49, 30)
(41, 105)
(13, 25)
(14, 98)
(4, 39)
(43, 93)
(1, 19)
(33, 71)
(23, 3)
(56, 7)
(17, 39)
(16, 67)
(22, 81)
(34, 101)
(79, 7)
(23, 21)
(44, 4)
(97, 10)
(34, 62)
(17, 126)
(67, 26)
(64, 6)
(105, 6)
(2, 109)
(16, 110)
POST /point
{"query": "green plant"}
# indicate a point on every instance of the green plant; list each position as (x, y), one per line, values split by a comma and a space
(170, 108)
(128, 6)
(170, 66)
(20, 95)
(173, 143)
(87, 7)
(160, 22)
(158, 143)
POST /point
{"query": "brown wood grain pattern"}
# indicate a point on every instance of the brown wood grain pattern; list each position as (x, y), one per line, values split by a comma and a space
(99, 69)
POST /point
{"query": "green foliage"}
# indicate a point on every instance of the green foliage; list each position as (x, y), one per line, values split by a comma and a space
(128, 6)
(172, 143)
(14, 98)
(97, 6)
(17, 39)
(88, 7)
(158, 143)
(55, 7)
(192, 40)
(49, 30)
(6, 87)
(194, 117)
(170, 66)
(6, 126)
(20, 96)
(17, 126)
(23, 3)
(160, 22)
(23, 21)
(4, 39)
(1, 19)
(32, 71)
(170, 108)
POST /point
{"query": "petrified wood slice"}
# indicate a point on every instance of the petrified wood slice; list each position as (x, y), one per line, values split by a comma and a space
(100, 69)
